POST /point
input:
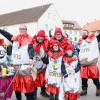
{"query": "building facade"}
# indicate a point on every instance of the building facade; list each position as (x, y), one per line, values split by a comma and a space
(41, 17)
(72, 29)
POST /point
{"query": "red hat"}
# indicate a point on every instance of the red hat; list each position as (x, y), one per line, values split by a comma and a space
(70, 47)
(41, 33)
(58, 30)
(53, 42)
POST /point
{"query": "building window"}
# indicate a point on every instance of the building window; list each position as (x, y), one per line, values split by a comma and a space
(69, 25)
(75, 38)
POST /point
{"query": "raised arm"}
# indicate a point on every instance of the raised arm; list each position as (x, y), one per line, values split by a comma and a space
(6, 35)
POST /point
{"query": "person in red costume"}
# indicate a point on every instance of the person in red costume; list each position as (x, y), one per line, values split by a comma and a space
(41, 45)
(22, 54)
(58, 35)
(53, 71)
(89, 70)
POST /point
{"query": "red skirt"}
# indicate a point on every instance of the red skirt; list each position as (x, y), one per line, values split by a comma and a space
(40, 80)
(89, 72)
(24, 84)
(52, 89)
(71, 96)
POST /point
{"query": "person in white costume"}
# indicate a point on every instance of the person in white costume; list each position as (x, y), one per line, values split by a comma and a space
(53, 71)
(88, 57)
(70, 71)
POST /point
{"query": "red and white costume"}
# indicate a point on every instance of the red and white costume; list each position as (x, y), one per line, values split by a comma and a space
(88, 57)
(71, 83)
(24, 84)
(64, 42)
(53, 71)
(40, 50)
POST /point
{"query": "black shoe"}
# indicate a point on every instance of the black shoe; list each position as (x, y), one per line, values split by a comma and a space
(56, 97)
(98, 92)
(51, 96)
(83, 92)
(44, 94)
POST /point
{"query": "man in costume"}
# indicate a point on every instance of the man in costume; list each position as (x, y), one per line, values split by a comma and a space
(22, 54)
(41, 45)
(58, 35)
(88, 57)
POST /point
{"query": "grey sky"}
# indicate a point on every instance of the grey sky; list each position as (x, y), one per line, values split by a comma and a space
(81, 10)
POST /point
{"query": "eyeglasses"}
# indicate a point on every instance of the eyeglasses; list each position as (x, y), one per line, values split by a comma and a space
(22, 28)
(55, 45)
(58, 34)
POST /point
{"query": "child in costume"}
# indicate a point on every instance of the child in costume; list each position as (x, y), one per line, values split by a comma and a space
(70, 71)
(53, 71)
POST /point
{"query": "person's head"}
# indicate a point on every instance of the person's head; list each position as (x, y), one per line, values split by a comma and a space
(85, 34)
(40, 36)
(23, 29)
(58, 34)
(69, 52)
(55, 45)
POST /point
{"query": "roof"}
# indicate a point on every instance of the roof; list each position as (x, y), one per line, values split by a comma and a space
(93, 26)
(23, 16)
(75, 23)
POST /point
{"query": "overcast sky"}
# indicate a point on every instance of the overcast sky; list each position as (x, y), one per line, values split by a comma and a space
(82, 11)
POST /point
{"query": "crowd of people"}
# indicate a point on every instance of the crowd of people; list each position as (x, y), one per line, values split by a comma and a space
(54, 65)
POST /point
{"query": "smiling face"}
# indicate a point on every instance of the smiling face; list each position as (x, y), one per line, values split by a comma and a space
(58, 36)
(69, 52)
(23, 30)
(55, 47)
(40, 39)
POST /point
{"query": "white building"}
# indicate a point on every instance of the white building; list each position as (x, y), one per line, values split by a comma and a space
(41, 17)
(72, 29)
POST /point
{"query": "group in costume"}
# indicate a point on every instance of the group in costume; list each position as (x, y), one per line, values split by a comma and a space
(53, 65)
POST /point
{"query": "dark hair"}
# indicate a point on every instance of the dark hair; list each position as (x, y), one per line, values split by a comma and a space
(85, 30)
